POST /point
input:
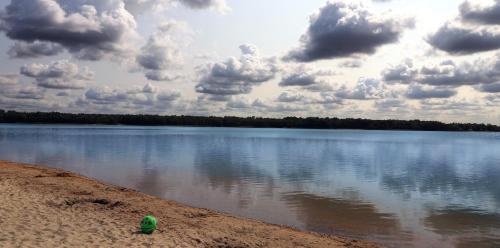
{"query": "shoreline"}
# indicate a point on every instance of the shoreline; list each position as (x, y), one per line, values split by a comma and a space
(322, 123)
(46, 207)
(242, 127)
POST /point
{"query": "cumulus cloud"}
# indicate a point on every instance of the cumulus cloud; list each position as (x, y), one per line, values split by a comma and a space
(239, 103)
(156, 75)
(403, 73)
(365, 89)
(237, 76)
(35, 49)
(419, 92)
(28, 93)
(57, 75)
(282, 108)
(390, 105)
(290, 96)
(149, 88)
(448, 104)
(62, 94)
(156, 101)
(161, 53)
(456, 39)
(449, 73)
(307, 79)
(88, 29)
(328, 98)
(342, 29)
(147, 96)
(8, 79)
(203, 4)
(300, 78)
(493, 99)
(168, 96)
(446, 73)
(320, 87)
(105, 95)
(351, 64)
(490, 88)
(137, 7)
(489, 14)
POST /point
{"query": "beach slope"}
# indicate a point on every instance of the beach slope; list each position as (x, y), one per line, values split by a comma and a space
(43, 207)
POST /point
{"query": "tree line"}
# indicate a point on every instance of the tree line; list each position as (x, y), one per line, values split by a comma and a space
(231, 121)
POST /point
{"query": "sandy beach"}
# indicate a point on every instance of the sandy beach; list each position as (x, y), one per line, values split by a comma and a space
(44, 207)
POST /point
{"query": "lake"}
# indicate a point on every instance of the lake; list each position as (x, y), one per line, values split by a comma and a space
(398, 188)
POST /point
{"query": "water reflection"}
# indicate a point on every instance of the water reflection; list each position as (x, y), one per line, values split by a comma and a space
(346, 216)
(421, 189)
(467, 227)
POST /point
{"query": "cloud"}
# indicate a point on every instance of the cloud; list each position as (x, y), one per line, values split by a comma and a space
(105, 95)
(459, 38)
(343, 29)
(365, 89)
(89, 29)
(489, 15)
(151, 99)
(203, 4)
(236, 76)
(446, 73)
(403, 73)
(168, 96)
(419, 92)
(449, 73)
(35, 49)
(447, 104)
(328, 98)
(320, 87)
(155, 75)
(8, 79)
(300, 78)
(289, 96)
(286, 108)
(161, 52)
(493, 99)
(27, 93)
(149, 88)
(147, 96)
(490, 88)
(138, 7)
(57, 75)
(62, 94)
(56, 69)
(465, 40)
(307, 79)
(351, 64)
(239, 103)
(282, 108)
(390, 105)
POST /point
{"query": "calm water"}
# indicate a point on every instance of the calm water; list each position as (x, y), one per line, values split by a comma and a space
(422, 189)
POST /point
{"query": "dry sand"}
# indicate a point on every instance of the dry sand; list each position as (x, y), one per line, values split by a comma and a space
(43, 207)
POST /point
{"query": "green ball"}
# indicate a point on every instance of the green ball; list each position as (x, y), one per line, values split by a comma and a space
(148, 224)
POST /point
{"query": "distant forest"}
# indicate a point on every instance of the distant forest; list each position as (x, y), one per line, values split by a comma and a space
(229, 121)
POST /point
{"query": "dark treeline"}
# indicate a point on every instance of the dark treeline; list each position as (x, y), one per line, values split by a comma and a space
(228, 121)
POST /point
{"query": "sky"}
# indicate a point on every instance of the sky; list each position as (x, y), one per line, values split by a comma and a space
(378, 59)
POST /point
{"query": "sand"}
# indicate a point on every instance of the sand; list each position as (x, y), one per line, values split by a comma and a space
(43, 207)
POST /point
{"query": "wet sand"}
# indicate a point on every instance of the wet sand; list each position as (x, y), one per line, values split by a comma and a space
(44, 207)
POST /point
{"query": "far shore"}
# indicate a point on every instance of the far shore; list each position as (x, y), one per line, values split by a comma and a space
(332, 123)
(45, 207)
